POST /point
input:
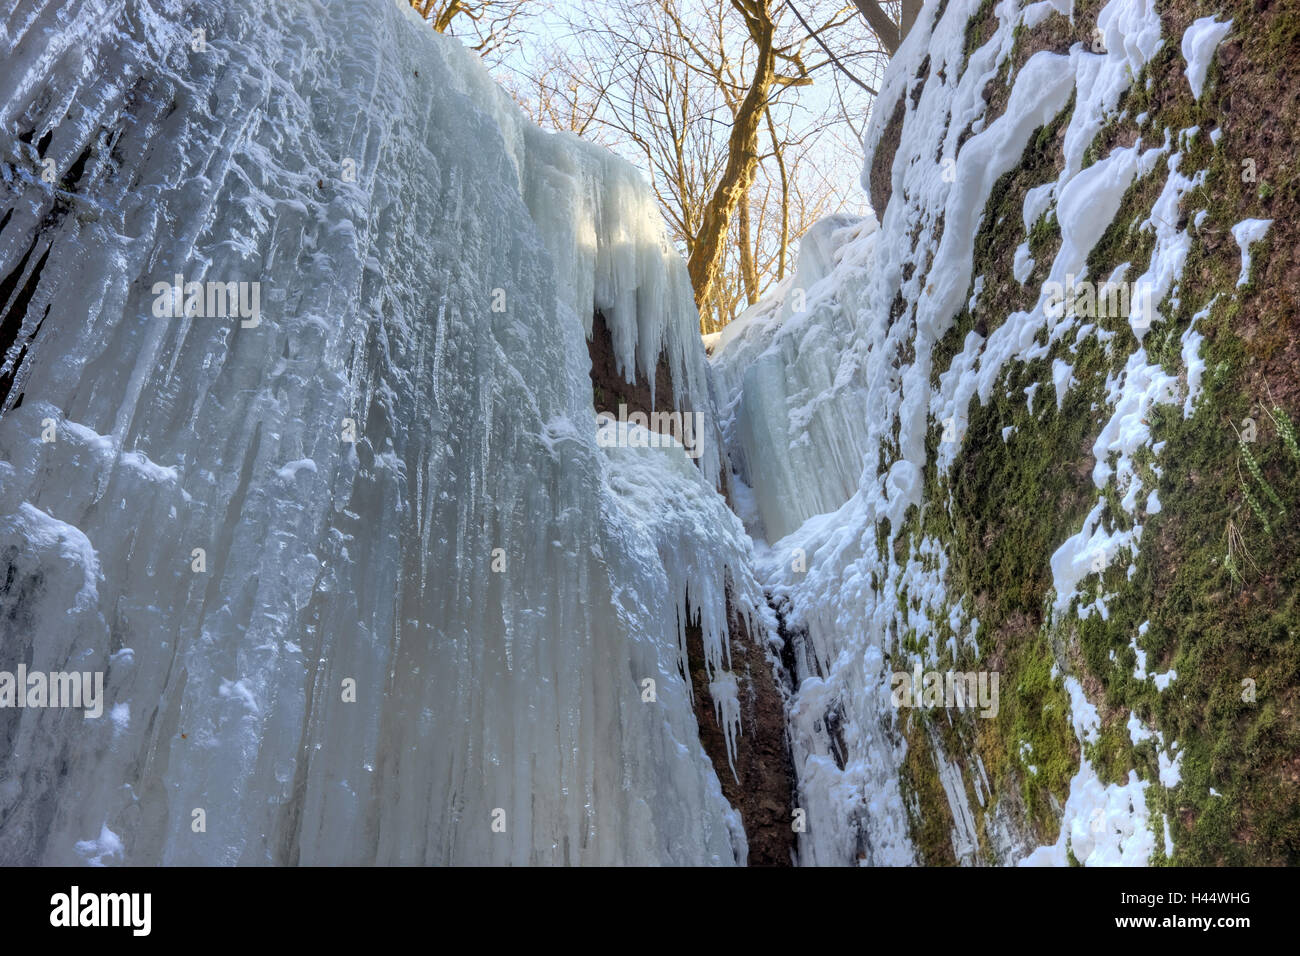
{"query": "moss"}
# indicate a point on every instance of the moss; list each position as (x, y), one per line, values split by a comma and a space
(1003, 508)
(1112, 755)
(1036, 713)
(928, 814)
(980, 27)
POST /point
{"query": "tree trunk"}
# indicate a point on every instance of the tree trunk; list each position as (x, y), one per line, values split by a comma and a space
(742, 157)
(911, 10)
(885, 29)
(448, 14)
(748, 270)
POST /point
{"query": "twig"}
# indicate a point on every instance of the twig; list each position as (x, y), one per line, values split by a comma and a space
(834, 59)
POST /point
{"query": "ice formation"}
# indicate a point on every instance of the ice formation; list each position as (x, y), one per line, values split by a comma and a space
(381, 468)
(364, 586)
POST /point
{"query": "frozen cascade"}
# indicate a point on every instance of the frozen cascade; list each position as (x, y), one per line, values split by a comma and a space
(385, 476)
(785, 383)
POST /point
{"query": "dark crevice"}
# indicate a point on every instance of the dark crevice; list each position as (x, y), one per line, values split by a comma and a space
(609, 389)
(833, 721)
(76, 170)
(10, 282)
(762, 787)
(12, 320)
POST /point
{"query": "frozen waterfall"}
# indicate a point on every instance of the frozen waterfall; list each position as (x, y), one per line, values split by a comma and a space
(298, 448)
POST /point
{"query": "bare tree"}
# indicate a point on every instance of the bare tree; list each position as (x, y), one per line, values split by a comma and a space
(709, 98)
(890, 22)
(559, 93)
(737, 110)
(490, 26)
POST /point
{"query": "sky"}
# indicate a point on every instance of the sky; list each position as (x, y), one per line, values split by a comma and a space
(832, 160)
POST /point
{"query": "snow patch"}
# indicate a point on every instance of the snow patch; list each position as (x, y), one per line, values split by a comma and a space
(1200, 41)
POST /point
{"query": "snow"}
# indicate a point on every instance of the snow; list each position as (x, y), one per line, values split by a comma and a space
(1103, 824)
(1082, 713)
(1037, 202)
(1062, 373)
(1137, 731)
(1200, 41)
(102, 850)
(1030, 392)
(1023, 264)
(57, 545)
(290, 471)
(1191, 354)
(1140, 669)
(1170, 769)
(1247, 233)
(1171, 247)
(120, 714)
(1134, 395)
(412, 407)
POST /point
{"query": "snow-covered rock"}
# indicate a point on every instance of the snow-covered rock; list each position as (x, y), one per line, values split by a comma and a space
(851, 379)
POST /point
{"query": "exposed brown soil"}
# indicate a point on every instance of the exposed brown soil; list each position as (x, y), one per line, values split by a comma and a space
(609, 389)
(761, 788)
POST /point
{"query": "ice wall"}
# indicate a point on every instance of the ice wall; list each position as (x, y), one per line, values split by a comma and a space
(363, 585)
(785, 381)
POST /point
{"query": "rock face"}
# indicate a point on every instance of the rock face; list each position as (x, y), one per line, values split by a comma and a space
(758, 779)
(754, 769)
(1070, 490)
(609, 387)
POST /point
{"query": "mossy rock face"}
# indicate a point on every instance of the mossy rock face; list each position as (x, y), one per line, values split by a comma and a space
(928, 813)
(1213, 583)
